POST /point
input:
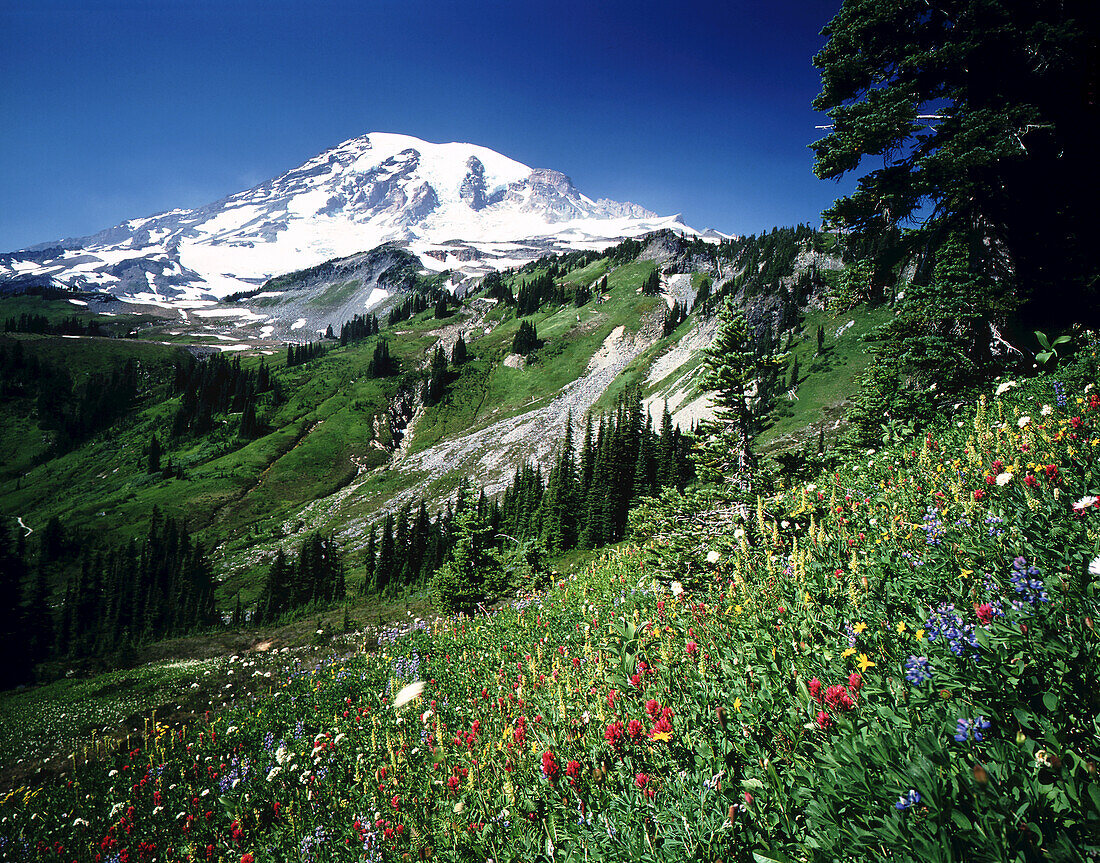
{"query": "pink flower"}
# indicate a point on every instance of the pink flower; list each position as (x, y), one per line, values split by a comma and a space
(855, 681)
(984, 612)
(613, 733)
(824, 721)
(815, 689)
(692, 648)
(635, 730)
(652, 708)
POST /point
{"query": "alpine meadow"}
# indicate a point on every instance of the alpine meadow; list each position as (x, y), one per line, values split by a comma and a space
(414, 504)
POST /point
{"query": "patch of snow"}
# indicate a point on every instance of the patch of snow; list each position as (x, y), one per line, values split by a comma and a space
(298, 324)
(376, 296)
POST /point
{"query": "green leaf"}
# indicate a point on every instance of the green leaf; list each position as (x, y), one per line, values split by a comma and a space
(1050, 701)
(769, 857)
(961, 821)
(1094, 793)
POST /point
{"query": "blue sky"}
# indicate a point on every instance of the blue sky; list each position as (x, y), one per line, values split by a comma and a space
(116, 109)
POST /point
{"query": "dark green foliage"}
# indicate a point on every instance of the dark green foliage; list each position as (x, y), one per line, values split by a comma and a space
(74, 326)
(742, 370)
(533, 294)
(381, 364)
(314, 580)
(473, 571)
(702, 293)
(458, 352)
(441, 308)
(494, 287)
(358, 328)
(13, 624)
(116, 595)
(73, 412)
(296, 355)
(423, 298)
(526, 338)
(935, 349)
(437, 377)
(675, 316)
(154, 455)
(217, 385)
(978, 110)
(652, 284)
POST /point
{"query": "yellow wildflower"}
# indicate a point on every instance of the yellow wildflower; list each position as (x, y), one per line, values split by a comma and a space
(848, 652)
(864, 663)
(859, 628)
(737, 704)
(901, 627)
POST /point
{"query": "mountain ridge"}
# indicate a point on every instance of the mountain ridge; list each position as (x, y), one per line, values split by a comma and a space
(457, 206)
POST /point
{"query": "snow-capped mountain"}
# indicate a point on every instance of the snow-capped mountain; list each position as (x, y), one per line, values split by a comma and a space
(457, 206)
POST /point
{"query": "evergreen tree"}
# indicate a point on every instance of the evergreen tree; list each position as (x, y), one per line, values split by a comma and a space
(458, 352)
(734, 371)
(977, 111)
(154, 455)
(472, 569)
(526, 338)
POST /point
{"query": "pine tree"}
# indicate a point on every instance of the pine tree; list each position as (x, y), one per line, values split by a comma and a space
(154, 455)
(458, 352)
(464, 579)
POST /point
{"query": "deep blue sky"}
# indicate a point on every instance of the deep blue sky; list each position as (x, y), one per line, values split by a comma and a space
(114, 109)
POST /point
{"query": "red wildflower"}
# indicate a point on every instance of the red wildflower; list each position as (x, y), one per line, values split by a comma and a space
(824, 720)
(855, 681)
(984, 612)
(837, 697)
(652, 708)
(635, 730)
(573, 769)
(815, 689)
(247, 858)
(613, 733)
(692, 648)
(549, 766)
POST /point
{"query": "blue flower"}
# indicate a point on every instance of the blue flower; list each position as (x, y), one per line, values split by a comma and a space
(1029, 587)
(918, 670)
(970, 729)
(907, 800)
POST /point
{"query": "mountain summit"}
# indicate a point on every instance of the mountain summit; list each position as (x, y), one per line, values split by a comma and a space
(457, 206)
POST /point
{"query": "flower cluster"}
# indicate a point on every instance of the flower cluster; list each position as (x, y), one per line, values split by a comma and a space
(1029, 587)
(918, 670)
(946, 623)
(970, 729)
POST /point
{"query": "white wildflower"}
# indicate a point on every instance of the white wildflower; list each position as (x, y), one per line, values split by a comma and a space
(408, 693)
(1004, 478)
(677, 588)
(713, 557)
(1005, 387)
(1094, 567)
(1085, 502)
(1046, 411)
(1023, 421)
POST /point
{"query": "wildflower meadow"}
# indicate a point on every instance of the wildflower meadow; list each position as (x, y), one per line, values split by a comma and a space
(897, 660)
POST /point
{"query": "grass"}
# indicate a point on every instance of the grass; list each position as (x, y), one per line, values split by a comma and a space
(827, 381)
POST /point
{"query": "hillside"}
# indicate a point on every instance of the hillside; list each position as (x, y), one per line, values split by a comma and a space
(895, 659)
(335, 448)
